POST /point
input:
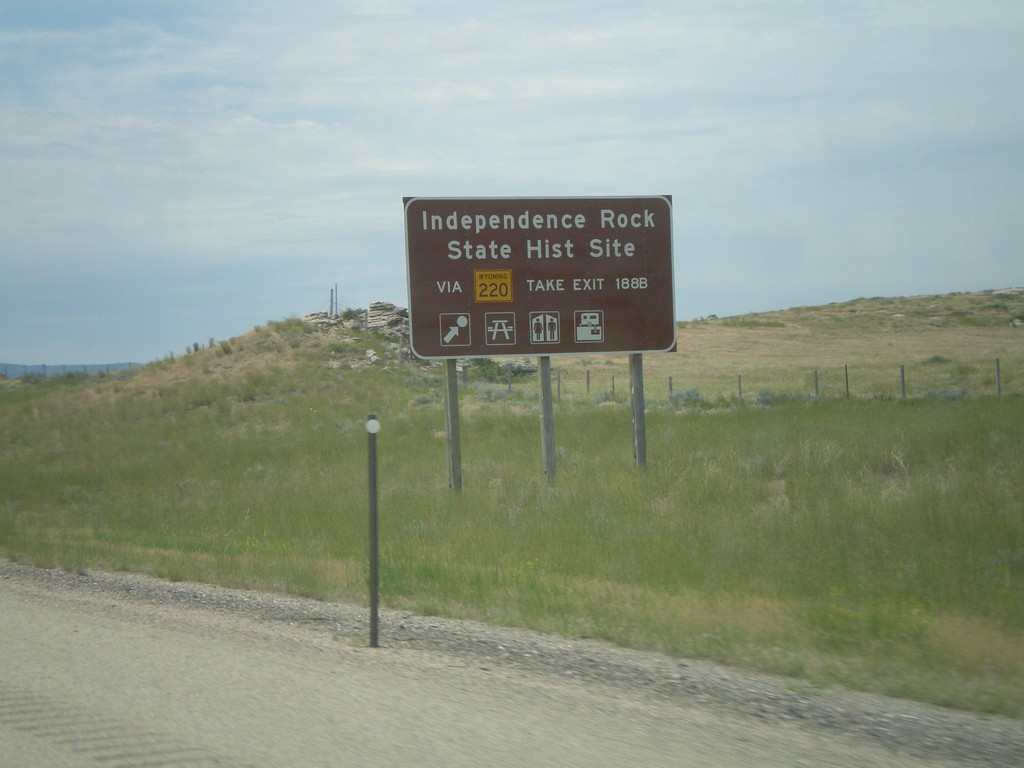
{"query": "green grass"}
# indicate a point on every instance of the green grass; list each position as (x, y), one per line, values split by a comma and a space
(876, 543)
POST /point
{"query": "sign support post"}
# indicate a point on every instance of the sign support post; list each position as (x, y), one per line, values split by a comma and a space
(636, 390)
(453, 439)
(547, 419)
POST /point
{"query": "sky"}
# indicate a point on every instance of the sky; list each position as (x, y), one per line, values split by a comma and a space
(175, 171)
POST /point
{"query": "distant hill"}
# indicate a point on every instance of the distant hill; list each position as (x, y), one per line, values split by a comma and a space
(17, 370)
(982, 309)
(865, 317)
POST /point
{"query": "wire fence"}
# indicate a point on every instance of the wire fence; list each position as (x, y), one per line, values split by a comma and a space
(936, 379)
(17, 371)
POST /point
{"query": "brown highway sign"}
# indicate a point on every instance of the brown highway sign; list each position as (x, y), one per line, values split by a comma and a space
(539, 275)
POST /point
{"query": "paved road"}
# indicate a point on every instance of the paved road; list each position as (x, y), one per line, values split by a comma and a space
(100, 681)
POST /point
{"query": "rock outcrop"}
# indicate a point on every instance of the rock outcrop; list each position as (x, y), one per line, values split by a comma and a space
(382, 318)
(388, 319)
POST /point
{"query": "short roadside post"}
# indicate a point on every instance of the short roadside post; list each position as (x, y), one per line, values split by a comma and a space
(372, 428)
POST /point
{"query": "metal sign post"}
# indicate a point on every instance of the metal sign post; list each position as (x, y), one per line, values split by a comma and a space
(372, 428)
(453, 440)
(636, 390)
(547, 419)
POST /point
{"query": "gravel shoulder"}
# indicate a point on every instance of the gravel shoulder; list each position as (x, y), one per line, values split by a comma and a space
(905, 730)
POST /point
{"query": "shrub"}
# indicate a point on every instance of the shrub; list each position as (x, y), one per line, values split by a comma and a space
(767, 397)
(494, 371)
(688, 397)
(947, 393)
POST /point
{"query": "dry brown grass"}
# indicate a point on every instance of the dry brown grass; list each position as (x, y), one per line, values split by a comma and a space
(974, 642)
(949, 342)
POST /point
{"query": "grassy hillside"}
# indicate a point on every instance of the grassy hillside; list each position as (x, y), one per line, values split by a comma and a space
(947, 345)
(874, 542)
